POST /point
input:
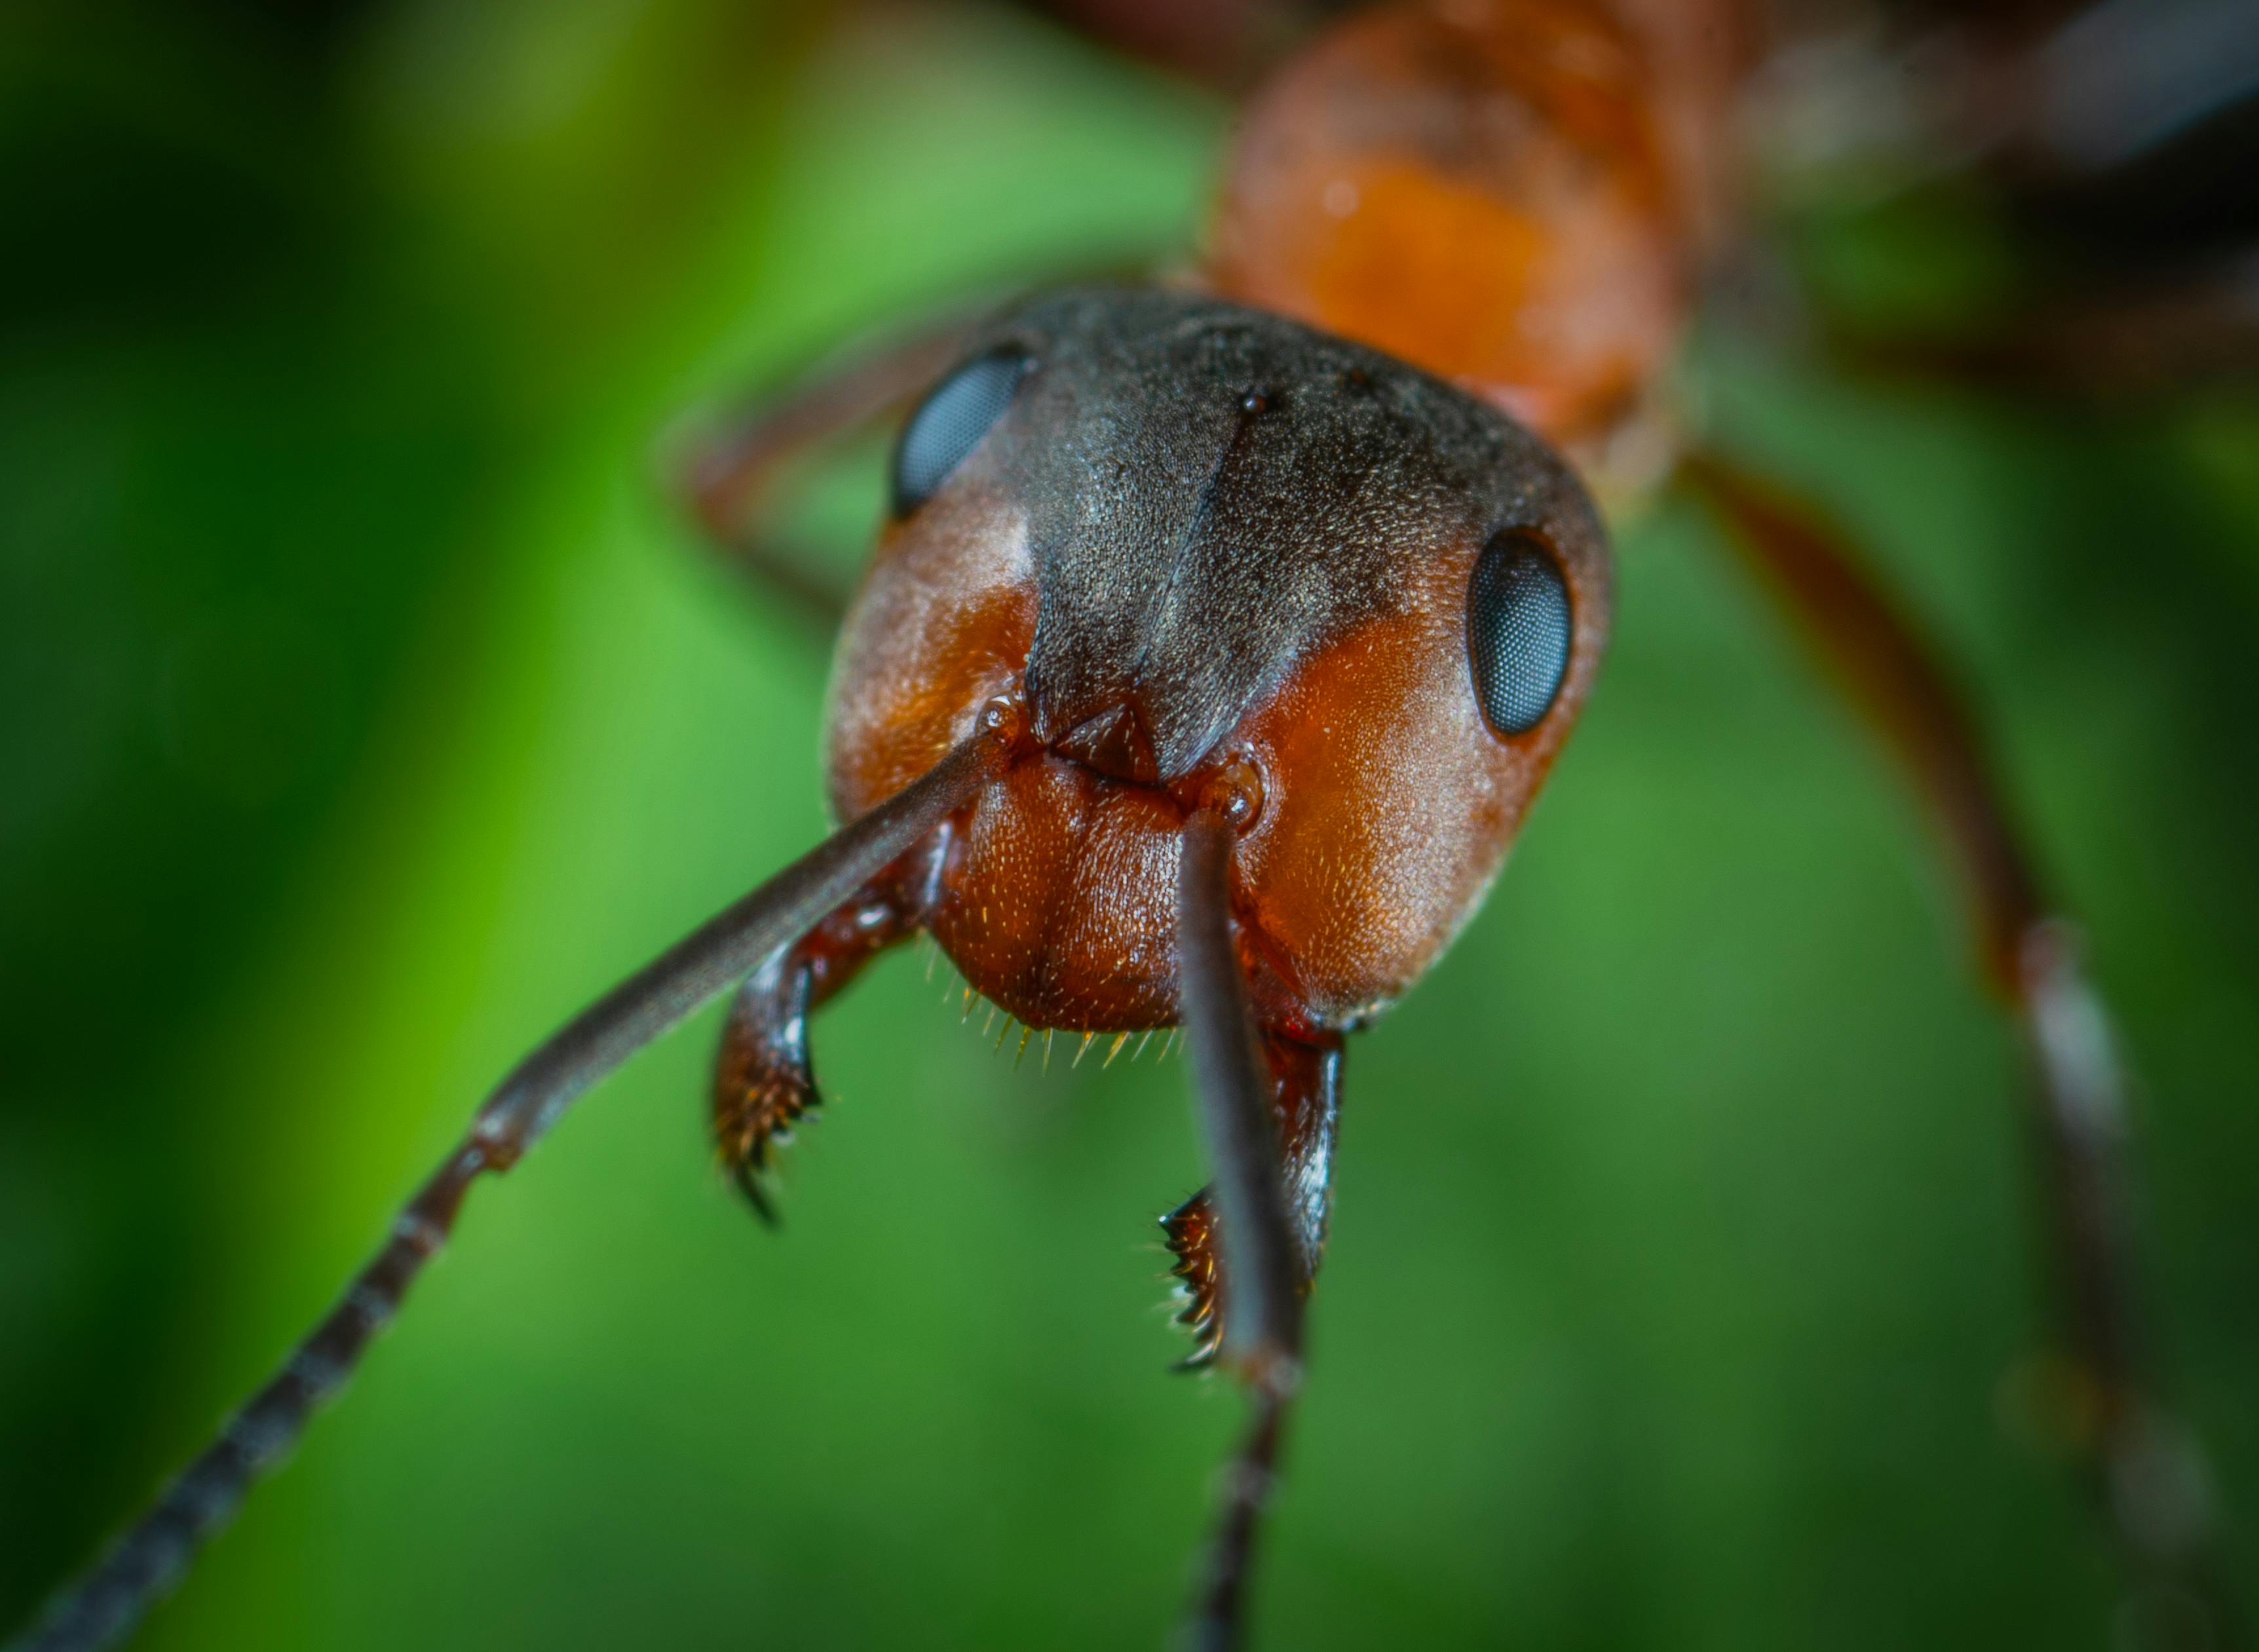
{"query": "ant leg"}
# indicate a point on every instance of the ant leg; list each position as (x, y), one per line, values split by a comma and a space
(2145, 1469)
(1306, 1103)
(1262, 1338)
(763, 1080)
(106, 1604)
(726, 470)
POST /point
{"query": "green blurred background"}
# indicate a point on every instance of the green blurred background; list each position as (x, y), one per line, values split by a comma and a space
(366, 709)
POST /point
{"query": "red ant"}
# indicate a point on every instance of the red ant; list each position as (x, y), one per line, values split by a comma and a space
(1215, 646)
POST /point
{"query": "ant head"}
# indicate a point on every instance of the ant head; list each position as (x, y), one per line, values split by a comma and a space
(1224, 559)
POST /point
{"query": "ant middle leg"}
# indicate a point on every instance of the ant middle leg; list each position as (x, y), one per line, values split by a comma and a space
(2145, 1469)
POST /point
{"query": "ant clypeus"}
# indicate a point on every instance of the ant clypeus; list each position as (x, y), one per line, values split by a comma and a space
(1218, 641)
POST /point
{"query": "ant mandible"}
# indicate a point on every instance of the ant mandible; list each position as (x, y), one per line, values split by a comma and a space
(1217, 642)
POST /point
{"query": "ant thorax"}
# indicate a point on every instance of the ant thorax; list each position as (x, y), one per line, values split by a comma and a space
(1517, 197)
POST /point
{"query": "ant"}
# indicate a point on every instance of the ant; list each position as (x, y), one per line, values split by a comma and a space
(1220, 637)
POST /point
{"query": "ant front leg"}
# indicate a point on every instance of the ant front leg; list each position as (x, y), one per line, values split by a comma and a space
(1306, 1105)
(2145, 1467)
(763, 1080)
(727, 469)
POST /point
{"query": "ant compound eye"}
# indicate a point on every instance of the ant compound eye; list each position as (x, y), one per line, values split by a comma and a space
(950, 423)
(1518, 630)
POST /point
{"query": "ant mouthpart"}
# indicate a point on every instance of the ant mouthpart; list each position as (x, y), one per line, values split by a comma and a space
(1117, 742)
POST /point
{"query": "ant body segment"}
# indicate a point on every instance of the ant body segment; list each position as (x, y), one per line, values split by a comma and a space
(1215, 644)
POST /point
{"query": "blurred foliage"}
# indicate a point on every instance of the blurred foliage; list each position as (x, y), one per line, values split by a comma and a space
(365, 708)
